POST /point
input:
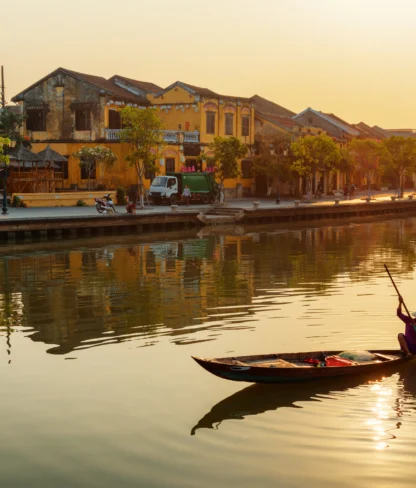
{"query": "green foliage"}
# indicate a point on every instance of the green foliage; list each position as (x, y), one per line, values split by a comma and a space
(399, 159)
(4, 142)
(91, 157)
(367, 154)
(314, 154)
(347, 163)
(142, 131)
(17, 202)
(10, 123)
(274, 159)
(121, 196)
(81, 203)
(227, 151)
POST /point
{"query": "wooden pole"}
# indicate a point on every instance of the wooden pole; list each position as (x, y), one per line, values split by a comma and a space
(397, 291)
(3, 97)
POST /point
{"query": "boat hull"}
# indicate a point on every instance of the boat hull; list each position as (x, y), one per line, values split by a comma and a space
(248, 371)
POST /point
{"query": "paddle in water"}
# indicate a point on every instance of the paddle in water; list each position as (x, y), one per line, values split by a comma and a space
(407, 340)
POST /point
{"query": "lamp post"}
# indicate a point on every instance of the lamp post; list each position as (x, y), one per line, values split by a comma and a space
(4, 208)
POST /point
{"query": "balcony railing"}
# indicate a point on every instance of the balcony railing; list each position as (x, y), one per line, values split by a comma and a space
(169, 136)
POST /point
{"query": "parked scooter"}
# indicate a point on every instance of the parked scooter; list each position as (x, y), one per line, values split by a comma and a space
(105, 204)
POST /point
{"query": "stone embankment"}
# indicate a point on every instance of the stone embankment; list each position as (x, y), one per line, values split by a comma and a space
(22, 225)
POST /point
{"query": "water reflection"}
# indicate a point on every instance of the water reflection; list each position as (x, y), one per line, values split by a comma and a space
(384, 402)
(102, 294)
(257, 399)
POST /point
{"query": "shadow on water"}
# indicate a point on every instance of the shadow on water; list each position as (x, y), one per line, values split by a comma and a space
(261, 398)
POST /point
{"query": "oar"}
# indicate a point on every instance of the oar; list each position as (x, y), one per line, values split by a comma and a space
(394, 284)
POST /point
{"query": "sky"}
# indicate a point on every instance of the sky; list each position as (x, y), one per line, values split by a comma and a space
(353, 58)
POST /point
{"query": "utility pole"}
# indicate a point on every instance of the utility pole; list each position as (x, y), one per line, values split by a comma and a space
(3, 100)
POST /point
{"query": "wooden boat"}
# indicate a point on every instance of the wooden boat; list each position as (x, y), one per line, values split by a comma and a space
(291, 367)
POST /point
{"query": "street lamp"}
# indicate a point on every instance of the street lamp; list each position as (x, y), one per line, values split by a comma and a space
(280, 150)
(4, 208)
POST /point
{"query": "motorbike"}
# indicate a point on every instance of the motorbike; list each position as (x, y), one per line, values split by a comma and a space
(105, 204)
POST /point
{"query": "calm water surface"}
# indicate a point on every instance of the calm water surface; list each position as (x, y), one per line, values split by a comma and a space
(99, 390)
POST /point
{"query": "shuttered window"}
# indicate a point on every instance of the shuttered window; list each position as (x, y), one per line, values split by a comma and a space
(245, 126)
(229, 124)
(36, 120)
(83, 119)
(246, 168)
(170, 165)
(210, 120)
(114, 119)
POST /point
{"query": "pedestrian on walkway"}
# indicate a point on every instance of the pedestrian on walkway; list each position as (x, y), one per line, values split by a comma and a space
(352, 191)
(346, 188)
(186, 195)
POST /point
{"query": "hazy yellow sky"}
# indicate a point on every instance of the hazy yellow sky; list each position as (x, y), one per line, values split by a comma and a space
(353, 58)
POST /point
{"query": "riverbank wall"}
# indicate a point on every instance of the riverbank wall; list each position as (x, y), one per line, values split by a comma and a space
(62, 226)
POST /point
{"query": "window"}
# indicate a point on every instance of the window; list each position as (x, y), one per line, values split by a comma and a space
(245, 126)
(246, 168)
(229, 124)
(210, 122)
(63, 168)
(36, 120)
(83, 119)
(88, 172)
(170, 165)
(149, 174)
(310, 120)
(114, 119)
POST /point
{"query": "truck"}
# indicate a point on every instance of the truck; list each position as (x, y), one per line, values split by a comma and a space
(169, 188)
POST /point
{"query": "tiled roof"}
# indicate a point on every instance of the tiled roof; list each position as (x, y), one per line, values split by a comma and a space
(333, 119)
(368, 132)
(203, 92)
(142, 85)
(97, 81)
(338, 119)
(106, 85)
(285, 122)
(267, 107)
(381, 131)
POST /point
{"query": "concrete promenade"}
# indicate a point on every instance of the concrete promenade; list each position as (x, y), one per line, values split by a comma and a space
(246, 203)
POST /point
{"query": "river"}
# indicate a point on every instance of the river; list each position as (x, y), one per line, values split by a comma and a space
(99, 388)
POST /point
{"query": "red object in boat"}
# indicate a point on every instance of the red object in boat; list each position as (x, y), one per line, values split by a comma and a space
(312, 361)
(338, 361)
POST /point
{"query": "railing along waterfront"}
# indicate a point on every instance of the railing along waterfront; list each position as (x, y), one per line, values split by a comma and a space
(169, 136)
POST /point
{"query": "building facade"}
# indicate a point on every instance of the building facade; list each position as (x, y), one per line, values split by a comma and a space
(68, 110)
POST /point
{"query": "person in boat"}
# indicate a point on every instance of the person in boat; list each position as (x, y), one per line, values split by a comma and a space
(407, 340)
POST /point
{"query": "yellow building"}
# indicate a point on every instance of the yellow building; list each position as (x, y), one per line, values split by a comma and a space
(68, 110)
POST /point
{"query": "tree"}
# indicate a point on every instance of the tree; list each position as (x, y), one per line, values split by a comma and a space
(314, 154)
(367, 154)
(227, 151)
(10, 123)
(400, 160)
(142, 131)
(347, 163)
(4, 142)
(273, 161)
(91, 157)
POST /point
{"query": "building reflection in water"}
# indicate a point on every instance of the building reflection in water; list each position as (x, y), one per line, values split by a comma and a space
(90, 296)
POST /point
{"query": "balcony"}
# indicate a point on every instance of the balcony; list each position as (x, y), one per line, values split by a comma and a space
(169, 136)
